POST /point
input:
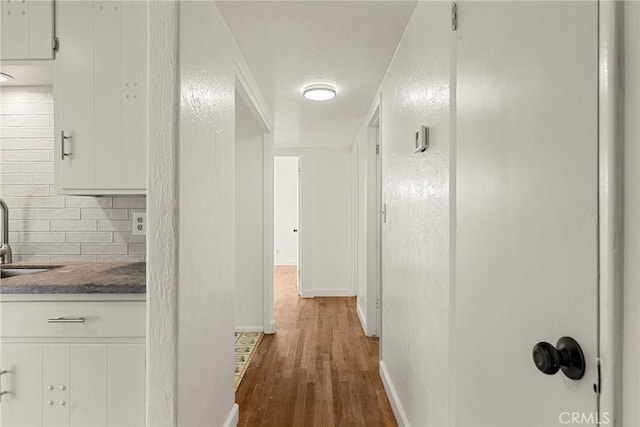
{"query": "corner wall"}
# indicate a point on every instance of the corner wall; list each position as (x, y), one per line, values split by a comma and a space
(249, 287)
(416, 245)
(206, 221)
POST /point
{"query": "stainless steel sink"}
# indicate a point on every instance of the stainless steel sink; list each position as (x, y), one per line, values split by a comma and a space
(10, 272)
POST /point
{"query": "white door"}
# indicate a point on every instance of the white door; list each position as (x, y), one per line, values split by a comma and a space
(22, 381)
(297, 229)
(526, 208)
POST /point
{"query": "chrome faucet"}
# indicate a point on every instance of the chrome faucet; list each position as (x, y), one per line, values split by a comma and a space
(5, 249)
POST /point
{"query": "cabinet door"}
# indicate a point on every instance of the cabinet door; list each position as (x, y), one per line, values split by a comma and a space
(88, 378)
(26, 29)
(126, 389)
(22, 405)
(73, 86)
(55, 384)
(99, 91)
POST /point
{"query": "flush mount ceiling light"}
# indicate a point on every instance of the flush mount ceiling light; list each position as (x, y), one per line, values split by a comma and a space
(4, 77)
(319, 92)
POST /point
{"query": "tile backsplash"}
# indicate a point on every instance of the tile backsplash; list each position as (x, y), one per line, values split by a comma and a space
(44, 226)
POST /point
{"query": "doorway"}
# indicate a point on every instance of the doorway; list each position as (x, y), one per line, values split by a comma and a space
(286, 215)
(249, 207)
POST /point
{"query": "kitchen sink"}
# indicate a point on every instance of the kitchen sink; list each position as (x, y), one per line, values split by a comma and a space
(10, 272)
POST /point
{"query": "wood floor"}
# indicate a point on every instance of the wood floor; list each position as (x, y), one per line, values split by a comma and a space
(317, 370)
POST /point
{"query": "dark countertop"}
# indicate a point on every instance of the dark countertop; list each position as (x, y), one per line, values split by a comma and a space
(77, 278)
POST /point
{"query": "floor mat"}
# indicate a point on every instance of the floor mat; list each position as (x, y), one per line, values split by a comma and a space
(246, 344)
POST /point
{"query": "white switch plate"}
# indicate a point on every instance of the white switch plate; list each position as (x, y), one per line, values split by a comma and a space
(139, 223)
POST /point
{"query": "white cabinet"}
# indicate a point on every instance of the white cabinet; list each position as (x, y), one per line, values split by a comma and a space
(21, 365)
(99, 86)
(26, 29)
(89, 373)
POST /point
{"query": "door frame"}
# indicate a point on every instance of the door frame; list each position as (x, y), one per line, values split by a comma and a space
(249, 95)
(373, 214)
(610, 207)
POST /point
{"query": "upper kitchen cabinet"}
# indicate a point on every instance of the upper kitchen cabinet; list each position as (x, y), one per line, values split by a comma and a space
(99, 84)
(26, 29)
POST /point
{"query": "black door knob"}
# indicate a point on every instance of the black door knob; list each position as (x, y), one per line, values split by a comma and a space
(566, 356)
(295, 230)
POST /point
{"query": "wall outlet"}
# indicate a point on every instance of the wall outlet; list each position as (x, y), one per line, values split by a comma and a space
(139, 223)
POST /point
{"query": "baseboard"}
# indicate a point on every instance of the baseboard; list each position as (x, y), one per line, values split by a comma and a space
(249, 329)
(306, 294)
(333, 293)
(363, 322)
(401, 417)
(286, 263)
(272, 328)
(234, 416)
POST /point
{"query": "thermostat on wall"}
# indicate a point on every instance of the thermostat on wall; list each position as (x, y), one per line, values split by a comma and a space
(422, 139)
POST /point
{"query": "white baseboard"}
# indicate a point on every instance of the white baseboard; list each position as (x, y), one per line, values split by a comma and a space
(234, 416)
(363, 321)
(272, 328)
(306, 294)
(401, 417)
(333, 293)
(249, 329)
(286, 263)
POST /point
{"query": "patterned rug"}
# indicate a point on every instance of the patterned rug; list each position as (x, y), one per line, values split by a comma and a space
(246, 344)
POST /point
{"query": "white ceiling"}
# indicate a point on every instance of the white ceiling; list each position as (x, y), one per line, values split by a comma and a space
(289, 44)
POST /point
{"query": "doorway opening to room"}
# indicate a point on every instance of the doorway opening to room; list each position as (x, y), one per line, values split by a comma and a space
(286, 228)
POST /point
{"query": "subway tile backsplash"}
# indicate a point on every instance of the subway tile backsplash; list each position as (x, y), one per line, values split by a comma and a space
(46, 227)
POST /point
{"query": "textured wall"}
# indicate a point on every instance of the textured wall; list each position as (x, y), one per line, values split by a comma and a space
(45, 226)
(162, 266)
(207, 216)
(415, 239)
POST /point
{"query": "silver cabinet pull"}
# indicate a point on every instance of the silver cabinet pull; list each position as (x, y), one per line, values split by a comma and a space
(2, 393)
(66, 320)
(62, 139)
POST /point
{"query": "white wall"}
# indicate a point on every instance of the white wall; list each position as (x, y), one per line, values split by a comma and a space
(285, 210)
(206, 178)
(631, 340)
(45, 226)
(416, 242)
(326, 241)
(249, 228)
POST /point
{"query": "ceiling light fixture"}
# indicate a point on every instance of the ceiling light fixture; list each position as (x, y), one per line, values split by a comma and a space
(4, 77)
(319, 92)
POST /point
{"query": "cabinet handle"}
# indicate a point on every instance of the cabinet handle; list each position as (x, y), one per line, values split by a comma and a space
(62, 139)
(66, 320)
(2, 393)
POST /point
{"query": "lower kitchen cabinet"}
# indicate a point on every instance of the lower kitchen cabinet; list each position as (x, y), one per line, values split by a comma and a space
(70, 380)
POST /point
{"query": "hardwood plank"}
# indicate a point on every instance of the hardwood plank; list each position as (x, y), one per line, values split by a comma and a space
(319, 369)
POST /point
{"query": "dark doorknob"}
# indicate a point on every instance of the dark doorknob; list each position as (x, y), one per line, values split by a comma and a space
(295, 230)
(566, 356)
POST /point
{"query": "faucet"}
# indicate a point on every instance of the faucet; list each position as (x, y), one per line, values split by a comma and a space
(5, 249)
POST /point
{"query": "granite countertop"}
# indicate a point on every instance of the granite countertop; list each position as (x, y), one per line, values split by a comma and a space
(77, 278)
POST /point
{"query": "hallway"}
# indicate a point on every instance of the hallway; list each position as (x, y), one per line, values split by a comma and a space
(318, 369)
